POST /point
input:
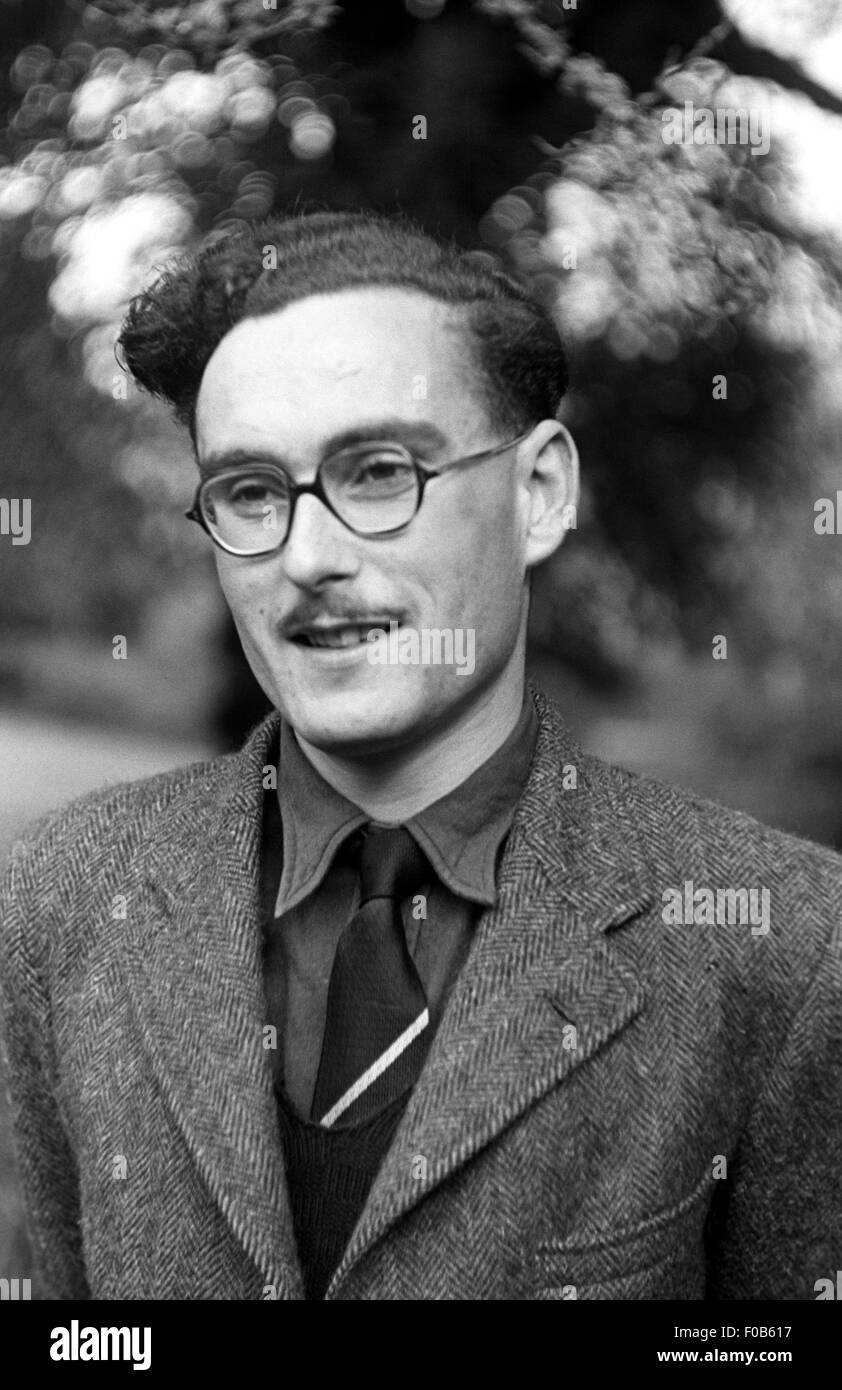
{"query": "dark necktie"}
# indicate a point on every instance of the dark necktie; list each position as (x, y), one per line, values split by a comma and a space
(377, 1026)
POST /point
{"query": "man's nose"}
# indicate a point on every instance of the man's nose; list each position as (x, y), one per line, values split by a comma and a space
(318, 546)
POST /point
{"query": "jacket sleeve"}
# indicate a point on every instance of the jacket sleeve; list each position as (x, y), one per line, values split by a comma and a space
(46, 1164)
(781, 1223)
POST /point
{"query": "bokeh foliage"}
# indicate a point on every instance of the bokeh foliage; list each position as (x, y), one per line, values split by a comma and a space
(132, 129)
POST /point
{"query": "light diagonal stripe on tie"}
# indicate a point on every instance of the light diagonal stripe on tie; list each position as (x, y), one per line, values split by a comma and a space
(377, 1068)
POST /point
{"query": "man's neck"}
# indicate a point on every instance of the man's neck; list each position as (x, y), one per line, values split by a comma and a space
(393, 787)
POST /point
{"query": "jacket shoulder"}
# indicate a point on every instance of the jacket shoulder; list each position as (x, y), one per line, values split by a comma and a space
(118, 813)
(733, 905)
(703, 861)
(678, 827)
(669, 829)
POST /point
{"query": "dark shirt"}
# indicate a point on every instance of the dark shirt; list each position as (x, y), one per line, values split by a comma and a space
(462, 834)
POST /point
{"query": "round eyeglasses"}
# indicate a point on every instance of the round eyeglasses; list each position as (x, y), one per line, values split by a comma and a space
(375, 489)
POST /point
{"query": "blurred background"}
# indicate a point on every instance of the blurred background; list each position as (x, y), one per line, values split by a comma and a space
(532, 132)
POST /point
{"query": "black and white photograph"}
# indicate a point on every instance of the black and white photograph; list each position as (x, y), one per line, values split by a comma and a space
(421, 663)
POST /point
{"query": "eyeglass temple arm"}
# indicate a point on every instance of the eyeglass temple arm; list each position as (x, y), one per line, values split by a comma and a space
(474, 458)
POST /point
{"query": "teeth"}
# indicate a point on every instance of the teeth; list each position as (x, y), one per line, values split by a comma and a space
(338, 637)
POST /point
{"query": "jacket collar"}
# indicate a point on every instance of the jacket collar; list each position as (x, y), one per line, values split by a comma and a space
(540, 961)
(461, 833)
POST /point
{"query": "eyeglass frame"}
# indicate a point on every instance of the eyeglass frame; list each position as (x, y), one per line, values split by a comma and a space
(423, 474)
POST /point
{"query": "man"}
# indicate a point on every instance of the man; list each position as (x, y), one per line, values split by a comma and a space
(409, 998)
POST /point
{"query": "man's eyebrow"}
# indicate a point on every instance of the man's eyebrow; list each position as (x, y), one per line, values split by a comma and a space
(421, 435)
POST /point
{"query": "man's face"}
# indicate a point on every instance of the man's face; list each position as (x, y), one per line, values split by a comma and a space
(394, 364)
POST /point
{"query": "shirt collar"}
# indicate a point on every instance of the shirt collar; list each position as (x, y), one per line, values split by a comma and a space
(461, 833)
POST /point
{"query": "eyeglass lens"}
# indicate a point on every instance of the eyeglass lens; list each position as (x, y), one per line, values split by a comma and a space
(372, 490)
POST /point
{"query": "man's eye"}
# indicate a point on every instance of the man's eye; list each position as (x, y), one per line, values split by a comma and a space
(247, 492)
(252, 493)
(378, 471)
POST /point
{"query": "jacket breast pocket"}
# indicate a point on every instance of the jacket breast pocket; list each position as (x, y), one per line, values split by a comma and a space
(660, 1257)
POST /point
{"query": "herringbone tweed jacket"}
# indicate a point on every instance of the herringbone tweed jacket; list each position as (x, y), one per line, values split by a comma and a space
(613, 1107)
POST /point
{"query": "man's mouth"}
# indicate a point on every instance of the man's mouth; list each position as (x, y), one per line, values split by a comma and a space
(337, 634)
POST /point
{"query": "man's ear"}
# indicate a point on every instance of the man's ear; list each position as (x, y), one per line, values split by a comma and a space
(548, 464)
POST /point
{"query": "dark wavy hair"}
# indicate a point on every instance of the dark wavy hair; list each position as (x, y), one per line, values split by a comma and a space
(171, 330)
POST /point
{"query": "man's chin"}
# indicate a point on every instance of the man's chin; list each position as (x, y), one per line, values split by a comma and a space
(351, 724)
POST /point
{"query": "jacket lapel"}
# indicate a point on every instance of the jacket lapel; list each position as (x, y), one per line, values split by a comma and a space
(540, 962)
(194, 968)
